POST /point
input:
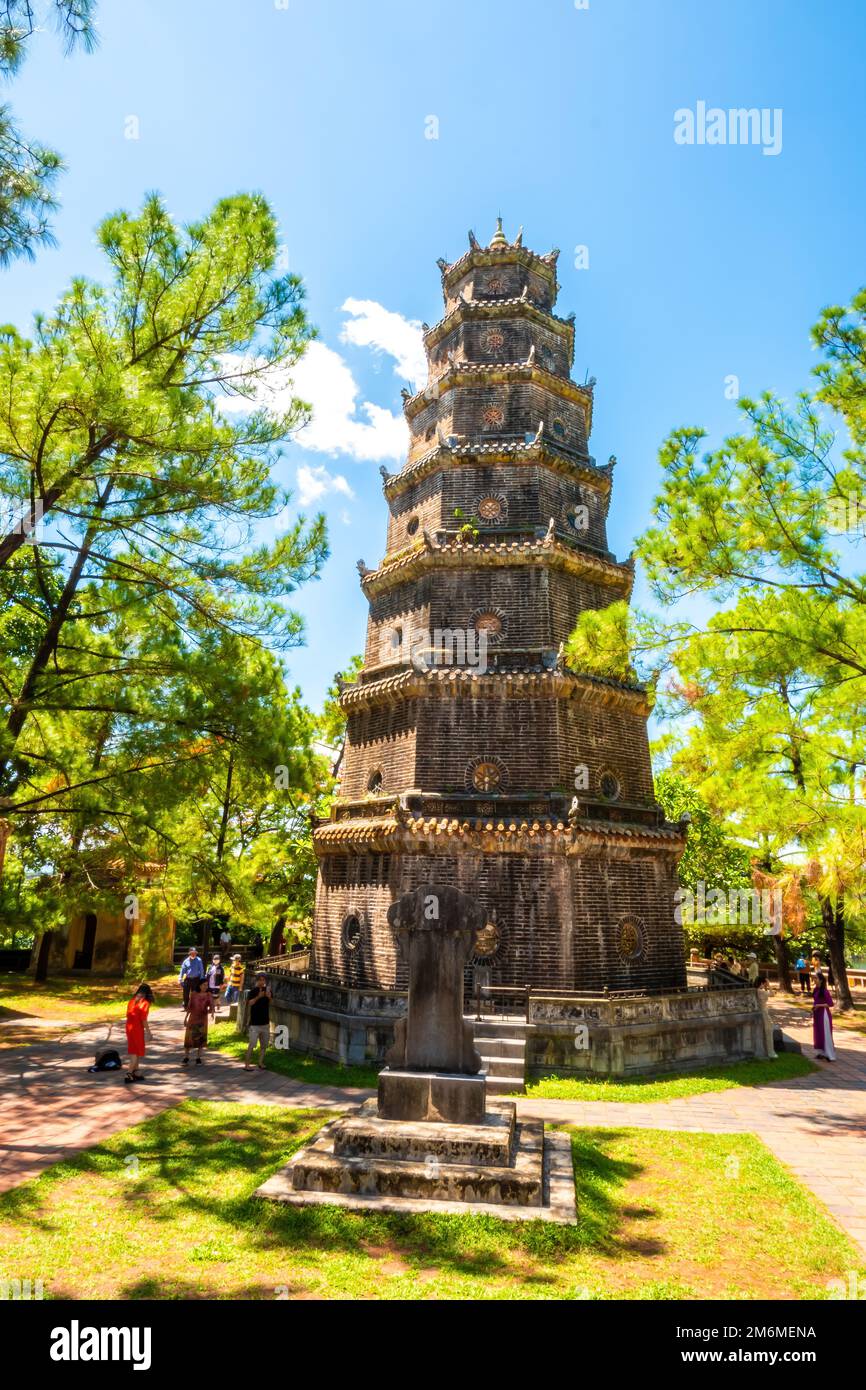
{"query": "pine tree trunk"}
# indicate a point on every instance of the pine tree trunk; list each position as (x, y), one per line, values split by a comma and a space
(782, 964)
(20, 707)
(833, 921)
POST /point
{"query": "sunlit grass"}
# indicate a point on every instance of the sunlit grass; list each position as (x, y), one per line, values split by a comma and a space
(297, 1065)
(674, 1084)
(165, 1210)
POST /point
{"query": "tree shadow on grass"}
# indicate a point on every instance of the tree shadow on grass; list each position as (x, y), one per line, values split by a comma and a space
(211, 1156)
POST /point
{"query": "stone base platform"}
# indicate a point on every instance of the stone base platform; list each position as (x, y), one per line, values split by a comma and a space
(432, 1096)
(515, 1171)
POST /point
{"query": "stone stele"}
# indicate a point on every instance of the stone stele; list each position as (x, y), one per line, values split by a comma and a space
(434, 1071)
(431, 1143)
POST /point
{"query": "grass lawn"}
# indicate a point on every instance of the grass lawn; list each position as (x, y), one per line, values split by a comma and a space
(661, 1216)
(225, 1038)
(77, 998)
(673, 1085)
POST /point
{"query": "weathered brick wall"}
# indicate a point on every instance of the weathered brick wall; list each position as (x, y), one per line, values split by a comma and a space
(520, 733)
(382, 740)
(569, 596)
(558, 917)
(605, 740)
(522, 405)
(401, 610)
(500, 281)
(501, 339)
(530, 497)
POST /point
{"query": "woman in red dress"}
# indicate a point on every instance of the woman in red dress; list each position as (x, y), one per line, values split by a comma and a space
(137, 1025)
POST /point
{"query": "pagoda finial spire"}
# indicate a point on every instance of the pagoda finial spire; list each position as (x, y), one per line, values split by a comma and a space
(498, 239)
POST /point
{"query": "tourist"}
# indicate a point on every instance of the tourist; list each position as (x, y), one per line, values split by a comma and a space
(822, 1019)
(763, 993)
(259, 1020)
(215, 977)
(235, 980)
(199, 1007)
(735, 967)
(191, 969)
(752, 967)
(802, 969)
(137, 1026)
(225, 938)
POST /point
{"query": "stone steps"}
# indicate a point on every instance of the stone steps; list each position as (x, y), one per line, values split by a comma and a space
(501, 1043)
(394, 1162)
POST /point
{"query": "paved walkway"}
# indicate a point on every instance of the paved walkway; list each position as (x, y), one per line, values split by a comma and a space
(51, 1107)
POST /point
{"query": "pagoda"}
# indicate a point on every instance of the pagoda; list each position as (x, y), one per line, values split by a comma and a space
(475, 755)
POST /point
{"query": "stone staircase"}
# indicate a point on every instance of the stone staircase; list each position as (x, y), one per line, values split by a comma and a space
(502, 1045)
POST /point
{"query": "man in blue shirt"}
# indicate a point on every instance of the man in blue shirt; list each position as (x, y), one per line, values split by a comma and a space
(192, 969)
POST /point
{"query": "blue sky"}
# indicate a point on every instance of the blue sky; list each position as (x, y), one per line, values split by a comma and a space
(705, 261)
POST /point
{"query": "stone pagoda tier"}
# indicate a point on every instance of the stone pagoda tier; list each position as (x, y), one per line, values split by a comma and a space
(474, 755)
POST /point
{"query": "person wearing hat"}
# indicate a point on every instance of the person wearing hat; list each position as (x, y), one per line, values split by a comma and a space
(191, 969)
(235, 980)
(752, 967)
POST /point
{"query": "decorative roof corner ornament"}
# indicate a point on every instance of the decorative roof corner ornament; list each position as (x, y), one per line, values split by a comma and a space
(570, 318)
(363, 569)
(592, 382)
(561, 664)
(539, 432)
(386, 476)
(473, 241)
(553, 255)
(428, 540)
(340, 682)
(531, 358)
(524, 293)
(405, 393)
(611, 463)
(442, 264)
(518, 240)
(550, 533)
(574, 811)
(440, 438)
(685, 819)
(425, 327)
(451, 357)
(630, 561)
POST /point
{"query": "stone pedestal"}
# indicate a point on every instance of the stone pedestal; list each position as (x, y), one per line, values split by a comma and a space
(436, 1096)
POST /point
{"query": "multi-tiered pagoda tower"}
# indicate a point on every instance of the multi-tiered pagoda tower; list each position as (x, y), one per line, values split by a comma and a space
(506, 774)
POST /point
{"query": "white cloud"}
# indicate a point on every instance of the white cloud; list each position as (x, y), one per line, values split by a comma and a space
(381, 329)
(314, 482)
(342, 423)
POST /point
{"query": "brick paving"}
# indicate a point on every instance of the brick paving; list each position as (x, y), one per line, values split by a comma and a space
(51, 1107)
